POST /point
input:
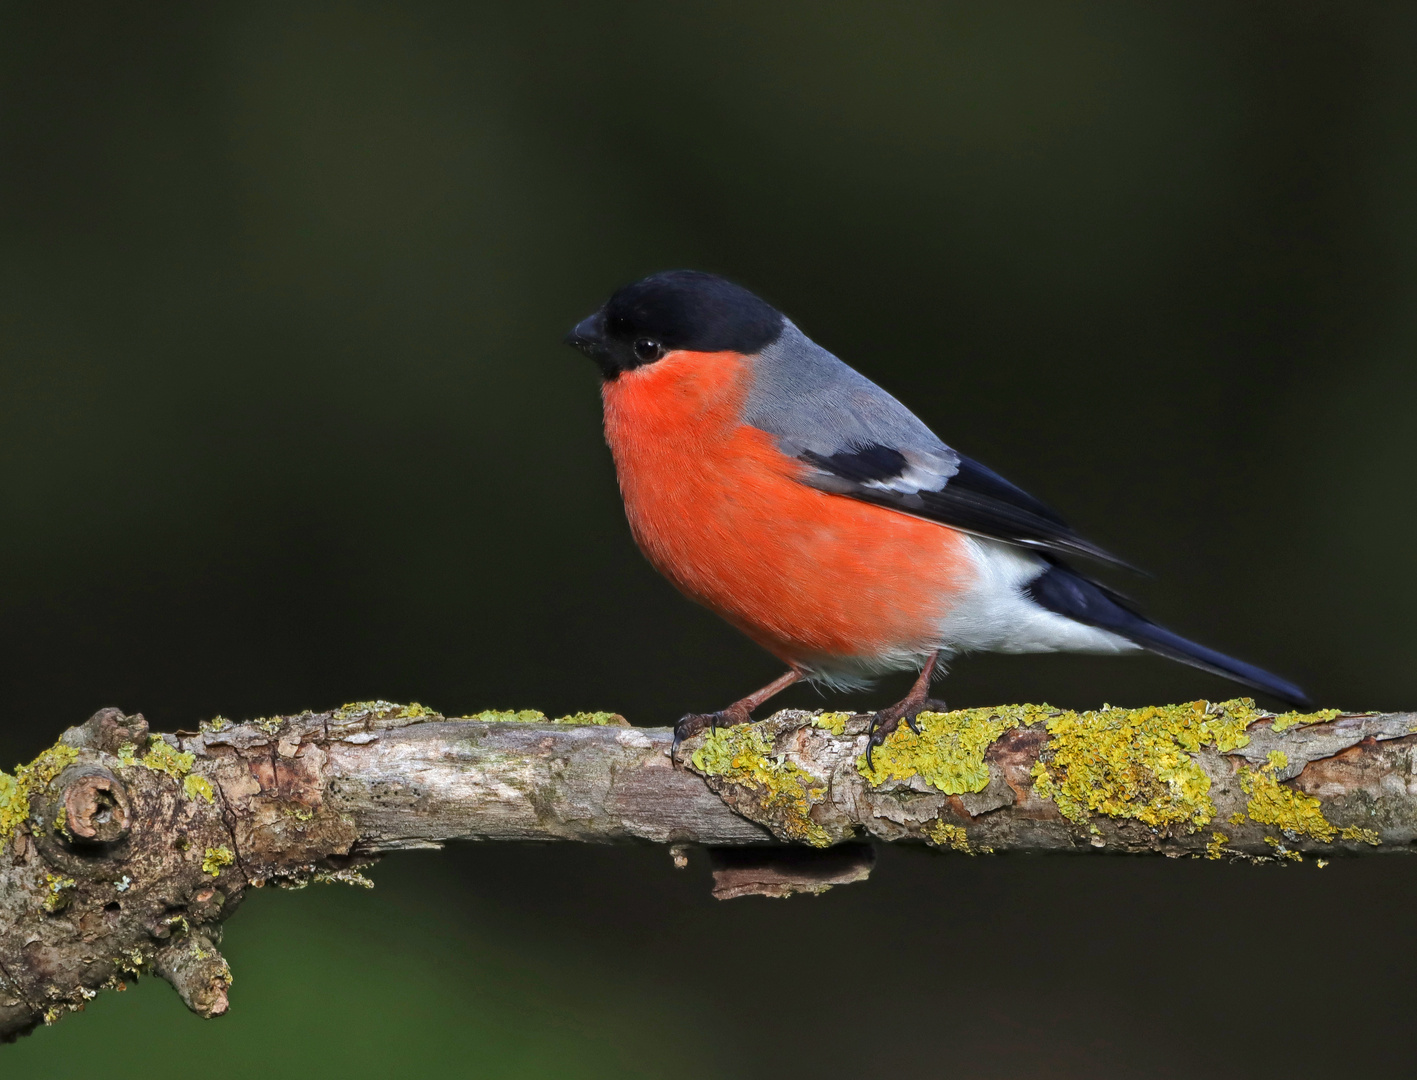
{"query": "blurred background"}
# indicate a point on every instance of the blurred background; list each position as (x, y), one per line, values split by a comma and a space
(285, 422)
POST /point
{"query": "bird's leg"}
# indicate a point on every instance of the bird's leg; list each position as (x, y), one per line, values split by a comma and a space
(740, 712)
(908, 708)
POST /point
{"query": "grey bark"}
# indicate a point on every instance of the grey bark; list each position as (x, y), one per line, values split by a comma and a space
(129, 855)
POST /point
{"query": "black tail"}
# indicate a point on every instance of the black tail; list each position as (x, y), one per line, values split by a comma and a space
(1065, 592)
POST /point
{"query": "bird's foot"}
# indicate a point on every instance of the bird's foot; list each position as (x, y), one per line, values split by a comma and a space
(692, 724)
(888, 719)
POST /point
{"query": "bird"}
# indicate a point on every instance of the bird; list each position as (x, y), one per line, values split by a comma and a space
(782, 489)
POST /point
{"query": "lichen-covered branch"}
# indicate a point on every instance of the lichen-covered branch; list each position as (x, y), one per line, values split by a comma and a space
(122, 852)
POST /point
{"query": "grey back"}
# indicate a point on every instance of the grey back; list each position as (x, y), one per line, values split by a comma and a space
(815, 404)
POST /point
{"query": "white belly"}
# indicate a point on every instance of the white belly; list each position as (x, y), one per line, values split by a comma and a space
(996, 615)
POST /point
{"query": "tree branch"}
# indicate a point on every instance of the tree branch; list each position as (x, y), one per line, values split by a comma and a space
(123, 852)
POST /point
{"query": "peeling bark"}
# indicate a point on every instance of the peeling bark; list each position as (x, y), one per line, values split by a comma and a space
(128, 850)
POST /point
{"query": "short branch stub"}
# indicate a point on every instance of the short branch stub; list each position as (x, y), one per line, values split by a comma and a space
(96, 808)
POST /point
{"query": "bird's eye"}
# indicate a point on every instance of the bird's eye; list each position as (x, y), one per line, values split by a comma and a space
(647, 349)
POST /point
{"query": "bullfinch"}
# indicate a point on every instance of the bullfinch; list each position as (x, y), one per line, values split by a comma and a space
(809, 508)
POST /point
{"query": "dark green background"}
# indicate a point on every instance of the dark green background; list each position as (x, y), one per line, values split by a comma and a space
(285, 422)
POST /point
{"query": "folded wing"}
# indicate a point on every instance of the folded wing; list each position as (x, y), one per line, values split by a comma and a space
(861, 442)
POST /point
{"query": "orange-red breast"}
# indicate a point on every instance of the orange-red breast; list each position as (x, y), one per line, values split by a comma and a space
(787, 492)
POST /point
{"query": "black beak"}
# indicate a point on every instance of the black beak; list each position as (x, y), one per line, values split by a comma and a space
(588, 336)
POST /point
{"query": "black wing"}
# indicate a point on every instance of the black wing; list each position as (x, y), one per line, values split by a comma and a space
(974, 499)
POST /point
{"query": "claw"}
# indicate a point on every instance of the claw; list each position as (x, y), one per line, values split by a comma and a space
(871, 738)
(687, 727)
(885, 721)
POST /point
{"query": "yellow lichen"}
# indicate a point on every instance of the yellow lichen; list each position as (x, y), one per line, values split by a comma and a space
(58, 893)
(29, 780)
(216, 723)
(163, 758)
(11, 811)
(341, 877)
(511, 716)
(1124, 763)
(215, 859)
(943, 834)
(132, 961)
(785, 793)
(391, 710)
(1215, 848)
(1293, 812)
(1281, 851)
(1284, 721)
(1137, 763)
(536, 716)
(948, 754)
(1271, 803)
(1354, 832)
(385, 710)
(198, 787)
(835, 722)
(600, 719)
(1223, 725)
